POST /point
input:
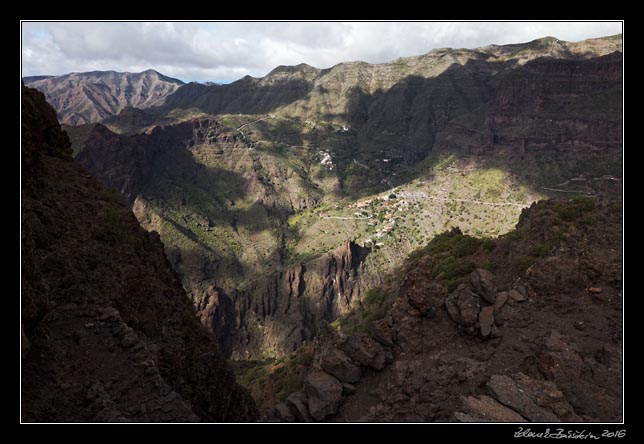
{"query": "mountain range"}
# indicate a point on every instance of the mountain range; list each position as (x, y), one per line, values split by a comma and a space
(289, 205)
(91, 96)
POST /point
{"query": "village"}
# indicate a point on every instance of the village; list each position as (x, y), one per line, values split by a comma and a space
(382, 210)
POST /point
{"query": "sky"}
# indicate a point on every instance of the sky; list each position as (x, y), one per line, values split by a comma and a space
(222, 52)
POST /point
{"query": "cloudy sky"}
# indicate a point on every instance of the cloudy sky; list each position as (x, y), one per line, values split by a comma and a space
(224, 52)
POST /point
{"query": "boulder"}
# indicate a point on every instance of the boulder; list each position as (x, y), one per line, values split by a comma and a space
(382, 332)
(299, 406)
(486, 320)
(560, 360)
(500, 300)
(323, 393)
(284, 413)
(517, 296)
(336, 363)
(484, 284)
(365, 351)
(538, 401)
(108, 314)
(463, 306)
(506, 391)
(486, 409)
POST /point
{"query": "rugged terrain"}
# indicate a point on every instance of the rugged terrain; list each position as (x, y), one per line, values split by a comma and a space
(280, 200)
(81, 98)
(108, 333)
(526, 327)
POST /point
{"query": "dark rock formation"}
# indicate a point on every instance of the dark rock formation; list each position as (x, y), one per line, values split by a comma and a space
(429, 300)
(337, 364)
(111, 334)
(293, 303)
(518, 398)
(298, 404)
(323, 392)
(364, 350)
(463, 305)
(486, 409)
(483, 284)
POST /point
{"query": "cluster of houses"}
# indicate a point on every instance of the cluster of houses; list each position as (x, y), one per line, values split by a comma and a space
(389, 223)
(326, 160)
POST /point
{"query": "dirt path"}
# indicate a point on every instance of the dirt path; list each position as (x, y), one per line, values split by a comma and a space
(255, 121)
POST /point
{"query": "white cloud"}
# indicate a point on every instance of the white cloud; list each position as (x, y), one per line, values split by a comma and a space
(228, 51)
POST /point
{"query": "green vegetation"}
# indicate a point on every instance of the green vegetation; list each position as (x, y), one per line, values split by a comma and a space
(448, 253)
(270, 382)
(253, 375)
(114, 227)
(372, 307)
(521, 263)
(574, 209)
(451, 271)
(489, 182)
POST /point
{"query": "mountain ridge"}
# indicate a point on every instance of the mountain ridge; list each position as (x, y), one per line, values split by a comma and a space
(89, 97)
(75, 114)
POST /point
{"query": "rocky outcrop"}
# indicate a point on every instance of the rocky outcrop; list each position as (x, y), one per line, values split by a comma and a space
(109, 333)
(486, 409)
(559, 360)
(475, 305)
(463, 305)
(518, 398)
(292, 304)
(323, 393)
(340, 363)
(483, 284)
(365, 351)
(428, 300)
(337, 364)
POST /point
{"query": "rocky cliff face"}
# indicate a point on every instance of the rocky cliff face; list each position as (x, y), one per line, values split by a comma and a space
(276, 315)
(108, 333)
(81, 98)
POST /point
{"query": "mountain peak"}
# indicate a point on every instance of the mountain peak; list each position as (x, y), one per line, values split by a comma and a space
(87, 97)
(292, 69)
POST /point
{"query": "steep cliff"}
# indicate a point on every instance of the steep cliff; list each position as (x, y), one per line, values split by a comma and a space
(108, 333)
(277, 314)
